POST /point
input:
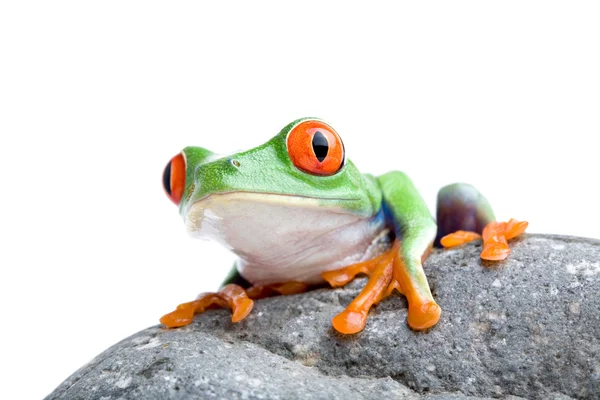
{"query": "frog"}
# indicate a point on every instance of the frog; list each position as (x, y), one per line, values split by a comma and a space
(299, 214)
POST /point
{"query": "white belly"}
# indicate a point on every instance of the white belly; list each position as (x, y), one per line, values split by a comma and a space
(283, 238)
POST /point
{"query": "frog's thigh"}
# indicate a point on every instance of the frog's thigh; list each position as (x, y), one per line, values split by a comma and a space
(461, 207)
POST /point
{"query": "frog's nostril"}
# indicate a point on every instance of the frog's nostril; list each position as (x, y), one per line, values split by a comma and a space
(234, 162)
(174, 178)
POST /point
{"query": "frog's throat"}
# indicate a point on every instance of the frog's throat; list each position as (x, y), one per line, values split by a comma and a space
(281, 238)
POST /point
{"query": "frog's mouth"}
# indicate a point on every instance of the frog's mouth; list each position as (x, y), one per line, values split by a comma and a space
(242, 206)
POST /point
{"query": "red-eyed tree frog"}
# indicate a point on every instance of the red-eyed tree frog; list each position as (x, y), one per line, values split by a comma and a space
(298, 213)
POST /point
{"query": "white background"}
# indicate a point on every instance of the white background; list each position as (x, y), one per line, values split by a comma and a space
(96, 97)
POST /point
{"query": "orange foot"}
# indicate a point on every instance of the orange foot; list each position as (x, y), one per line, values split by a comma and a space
(495, 236)
(231, 296)
(386, 273)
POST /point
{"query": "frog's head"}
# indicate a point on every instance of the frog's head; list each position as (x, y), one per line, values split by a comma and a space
(303, 167)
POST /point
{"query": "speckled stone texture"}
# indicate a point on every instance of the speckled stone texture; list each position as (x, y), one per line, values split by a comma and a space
(528, 327)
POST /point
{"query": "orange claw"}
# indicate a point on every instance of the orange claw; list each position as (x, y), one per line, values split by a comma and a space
(231, 296)
(459, 237)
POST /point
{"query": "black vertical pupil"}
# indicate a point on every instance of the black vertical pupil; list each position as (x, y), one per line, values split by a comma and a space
(167, 178)
(320, 146)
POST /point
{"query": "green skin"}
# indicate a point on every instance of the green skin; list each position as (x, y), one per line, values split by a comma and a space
(222, 176)
(347, 191)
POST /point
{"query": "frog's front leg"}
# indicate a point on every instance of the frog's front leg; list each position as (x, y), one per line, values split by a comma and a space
(235, 294)
(380, 272)
(401, 267)
(410, 279)
(416, 229)
(230, 296)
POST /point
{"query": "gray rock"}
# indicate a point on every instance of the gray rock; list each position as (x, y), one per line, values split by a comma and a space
(526, 327)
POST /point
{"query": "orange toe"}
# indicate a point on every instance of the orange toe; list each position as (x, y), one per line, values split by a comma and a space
(184, 313)
(177, 318)
(495, 236)
(459, 237)
(237, 299)
(337, 278)
(242, 309)
(495, 251)
(288, 288)
(349, 322)
(344, 275)
(261, 291)
(423, 315)
(515, 228)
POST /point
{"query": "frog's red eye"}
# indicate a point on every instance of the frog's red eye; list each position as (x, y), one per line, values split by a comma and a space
(174, 178)
(316, 148)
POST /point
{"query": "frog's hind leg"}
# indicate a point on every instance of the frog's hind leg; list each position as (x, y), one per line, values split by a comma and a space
(462, 211)
(464, 214)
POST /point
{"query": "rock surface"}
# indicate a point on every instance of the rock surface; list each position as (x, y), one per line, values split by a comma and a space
(526, 327)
